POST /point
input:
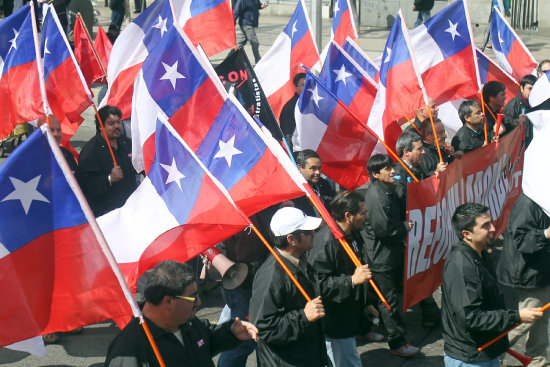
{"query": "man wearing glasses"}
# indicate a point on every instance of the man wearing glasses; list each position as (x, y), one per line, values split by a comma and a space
(171, 300)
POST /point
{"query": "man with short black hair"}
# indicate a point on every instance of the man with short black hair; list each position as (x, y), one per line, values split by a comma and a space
(342, 283)
(171, 300)
(520, 106)
(431, 160)
(386, 231)
(471, 135)
(290, 331)
(473, 308)
(105, 185)
(494, 96)
(309, 165)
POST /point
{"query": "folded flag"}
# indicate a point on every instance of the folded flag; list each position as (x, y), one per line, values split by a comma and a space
(90, 64)
(343, 25)
(361, 58)
(103, 46)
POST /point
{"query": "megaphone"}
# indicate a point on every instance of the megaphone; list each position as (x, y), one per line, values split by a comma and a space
(525, 360)
(233, 274)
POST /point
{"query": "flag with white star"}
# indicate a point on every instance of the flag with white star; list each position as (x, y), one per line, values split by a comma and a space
(348, 81)
(19, 73)
(175, 83)
(295, 45)
(361, 58)
(175, 213)
(510, 52)
(343, 24)
(66, 89)
(445, 52)
(341, 139)
(52, 261)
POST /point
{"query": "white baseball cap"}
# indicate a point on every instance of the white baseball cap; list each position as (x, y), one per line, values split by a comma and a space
(290, 219)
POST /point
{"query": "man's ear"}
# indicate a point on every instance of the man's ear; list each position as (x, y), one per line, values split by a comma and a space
(467, 235)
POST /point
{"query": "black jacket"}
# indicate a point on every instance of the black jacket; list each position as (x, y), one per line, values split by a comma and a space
(248, 12)
(286, 337)
(402, 179)
(472, 309)
(423, 5)
(95, 165)
(517, 106)
(467, 139)
(201, 341)
(431, 159)
(525, 259)
(325, 193)
(344, 303)
(385, 228)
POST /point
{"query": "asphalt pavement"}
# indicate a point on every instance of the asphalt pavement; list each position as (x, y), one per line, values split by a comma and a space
(89, 347)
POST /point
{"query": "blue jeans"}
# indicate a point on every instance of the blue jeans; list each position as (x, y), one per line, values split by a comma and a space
(117, 16)
(237, 301)
(451, 362)
(343, 352)
(423, 16)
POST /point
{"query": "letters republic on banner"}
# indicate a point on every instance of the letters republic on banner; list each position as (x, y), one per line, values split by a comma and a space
(490, 175)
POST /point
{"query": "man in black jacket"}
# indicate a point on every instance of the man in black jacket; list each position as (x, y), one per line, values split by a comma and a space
(290, 330)
(386, 232)
(524, 266)
(471, 135)
(430, 162)
(171, 300)
(287, 119)
(342, 284)
(105, 185)
(494, 95)
(473, 309)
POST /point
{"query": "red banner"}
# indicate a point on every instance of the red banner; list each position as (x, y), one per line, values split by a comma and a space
(490, 175)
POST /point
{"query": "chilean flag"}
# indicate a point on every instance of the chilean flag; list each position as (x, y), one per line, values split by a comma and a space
(20, 80)
(400, 89)
(445, 53)
(209, 23)
(174, 82)
(131, 48)
(66, 89)
(510, 52)
(277, 68)
(343, 25)
(348, 82)
(324, 124)
(361, 58)
(54, 262)
(175, 213)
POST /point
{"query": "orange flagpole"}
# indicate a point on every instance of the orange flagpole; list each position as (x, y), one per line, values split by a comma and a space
(542, 309)
(413, 125)
(151, 341)
(105, 135)
(280, 261)
(349, 251)
(435, 135)
(484, 118)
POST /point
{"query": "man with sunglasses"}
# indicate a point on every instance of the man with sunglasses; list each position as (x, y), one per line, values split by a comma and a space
(290, 331)
(171, 300)
(341, 282)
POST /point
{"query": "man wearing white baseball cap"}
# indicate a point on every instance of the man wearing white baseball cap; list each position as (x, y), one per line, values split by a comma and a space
(290, 331)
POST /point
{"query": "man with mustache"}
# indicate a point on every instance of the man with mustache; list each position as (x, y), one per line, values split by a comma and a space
(105, 185)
